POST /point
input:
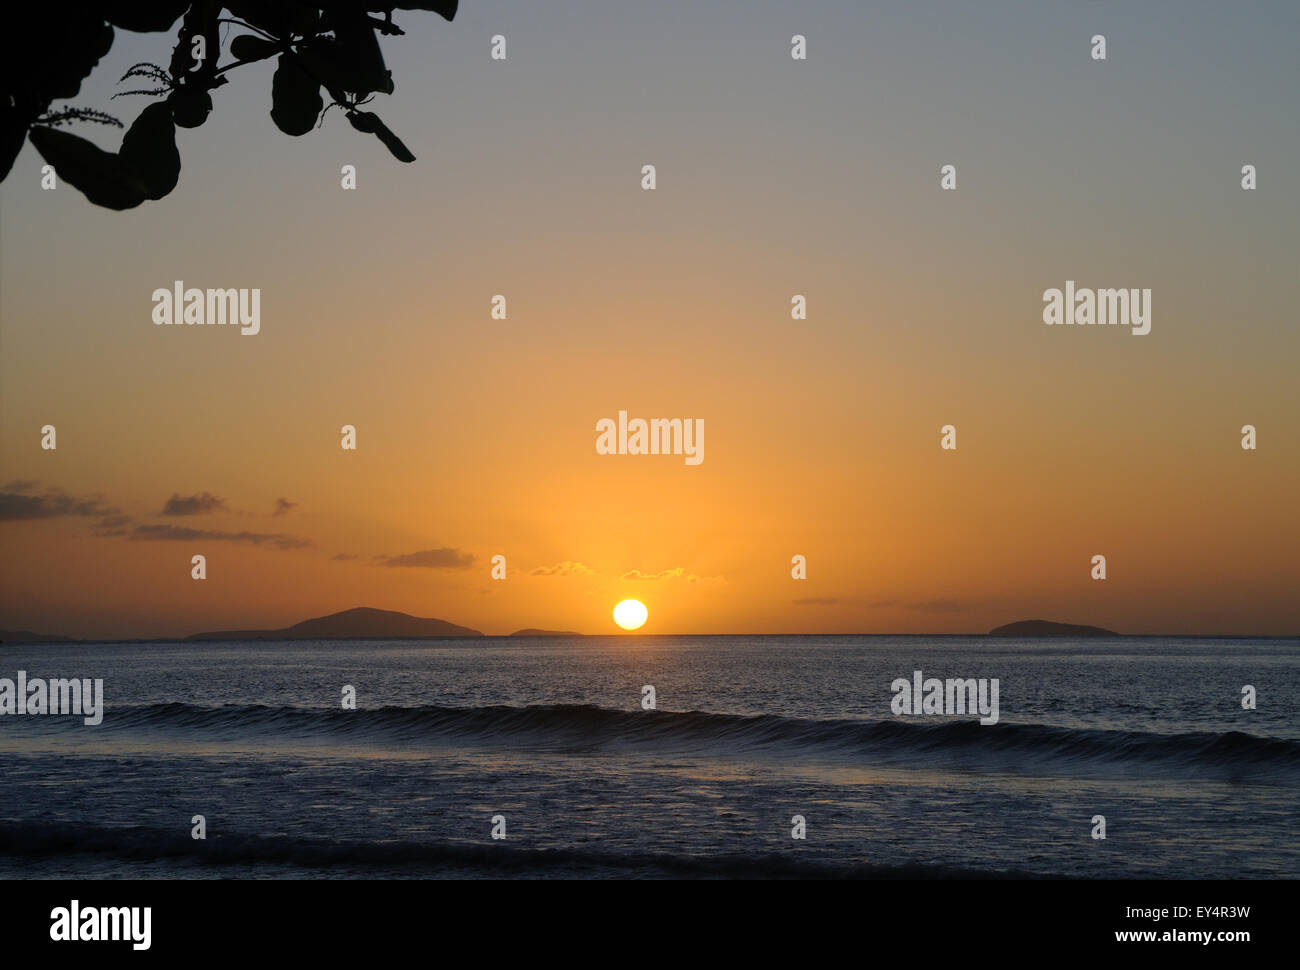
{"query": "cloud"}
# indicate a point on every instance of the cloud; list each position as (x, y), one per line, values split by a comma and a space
(677, 572)
(939, 606)
(200, 504)
(919, 606)
(112, 525)
(176, 533)
(343, 556)
(17, 505)
(283, 506)
(636, 574)
(430, 559)
(566, 568)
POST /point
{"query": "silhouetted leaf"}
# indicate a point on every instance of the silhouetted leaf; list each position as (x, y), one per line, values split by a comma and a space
(102, 176)
(323, 58)
(75, 45)
(246, 47)
(149, 147)
(357, 55)
(13, 132)
(144, 15)
(295, 97)
(277, 18)
(444, 8)
(190, 106)
(369, 122)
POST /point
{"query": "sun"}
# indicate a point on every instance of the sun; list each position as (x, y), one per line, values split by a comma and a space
(630, 614)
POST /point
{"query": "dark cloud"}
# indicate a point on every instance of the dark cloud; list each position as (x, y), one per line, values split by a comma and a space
(17, 504)
(113, 525)
(816, 601)
(176, 533)
(431, 559)
(343, 556)
(200, 504)
(939, 606)
(283, 506)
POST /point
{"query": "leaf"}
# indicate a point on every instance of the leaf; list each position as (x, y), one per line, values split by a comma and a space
(13, 132)
(357, 55)
(101, 176)
(444, 8)
(246, 47)
(144, 15)
(149, 147)
(295, 97)
(369, 122)
(190, 105)
(277, 18)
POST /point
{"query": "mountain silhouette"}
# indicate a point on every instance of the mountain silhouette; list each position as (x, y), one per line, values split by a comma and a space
(1046, 628)
(363, 622)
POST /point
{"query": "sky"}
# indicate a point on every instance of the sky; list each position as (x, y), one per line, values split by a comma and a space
(775, 177)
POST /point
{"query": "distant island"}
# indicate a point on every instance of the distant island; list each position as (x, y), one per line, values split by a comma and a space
(534, 632)
(1046, 628)
(27, 636)
(361, 623)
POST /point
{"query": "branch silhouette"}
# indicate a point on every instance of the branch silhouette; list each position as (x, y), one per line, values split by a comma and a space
(50, 48)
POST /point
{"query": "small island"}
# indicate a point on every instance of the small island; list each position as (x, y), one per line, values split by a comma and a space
(1047, 628)
(361, 623)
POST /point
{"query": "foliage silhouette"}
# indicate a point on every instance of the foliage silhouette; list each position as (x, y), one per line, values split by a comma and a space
(49, 49)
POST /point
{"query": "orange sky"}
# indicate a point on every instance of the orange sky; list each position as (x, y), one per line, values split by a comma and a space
(822, 436)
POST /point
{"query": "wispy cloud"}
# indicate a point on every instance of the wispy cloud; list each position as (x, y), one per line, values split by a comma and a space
(430, 559)
(566, 568)
(677, 572)
(19, 501)
(283, 506)
(176, 533)
(917, 606)
(201, 504)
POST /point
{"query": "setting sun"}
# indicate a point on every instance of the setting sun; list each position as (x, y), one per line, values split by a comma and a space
(630, 614)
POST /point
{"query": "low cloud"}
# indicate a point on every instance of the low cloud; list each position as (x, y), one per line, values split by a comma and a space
(677, 572)
(566, 568)
(283, 506)
(917, 606)
(176, 533)
(19, 502)
(430, 559)
(201, 504)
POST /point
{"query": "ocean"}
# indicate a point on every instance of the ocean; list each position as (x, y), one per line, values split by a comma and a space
(546, 741)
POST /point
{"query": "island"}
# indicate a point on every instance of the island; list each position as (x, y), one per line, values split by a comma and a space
(1046, 628)
(361, 623)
